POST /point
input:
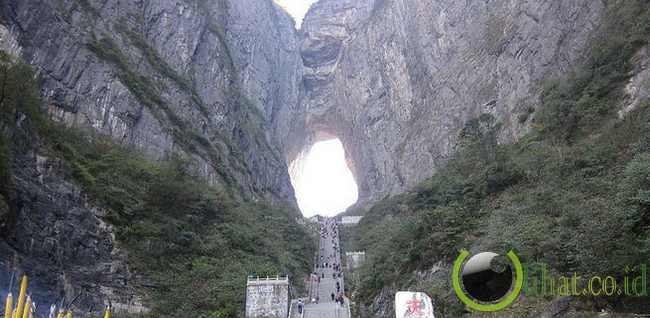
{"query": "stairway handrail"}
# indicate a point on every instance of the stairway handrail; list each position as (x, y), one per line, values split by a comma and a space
(290, 309)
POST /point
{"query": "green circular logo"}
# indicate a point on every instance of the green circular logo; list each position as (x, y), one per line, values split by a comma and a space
(473, 303)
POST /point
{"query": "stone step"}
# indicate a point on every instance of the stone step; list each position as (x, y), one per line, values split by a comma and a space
(325, 308)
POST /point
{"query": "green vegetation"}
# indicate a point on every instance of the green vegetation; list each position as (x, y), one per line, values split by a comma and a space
(574, 193)
(18, 90)
(194, 244)
(148, 92)
(577, 105)
(142, 87)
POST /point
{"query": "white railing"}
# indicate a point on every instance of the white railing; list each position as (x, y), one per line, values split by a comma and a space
(267, 278)
(347, 302)
(289, 315)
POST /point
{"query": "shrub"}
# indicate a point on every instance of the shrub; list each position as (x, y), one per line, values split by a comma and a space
(582, 101)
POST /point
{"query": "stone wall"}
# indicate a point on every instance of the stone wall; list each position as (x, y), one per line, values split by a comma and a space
(354, 260)
(267, 298)
(350, 220)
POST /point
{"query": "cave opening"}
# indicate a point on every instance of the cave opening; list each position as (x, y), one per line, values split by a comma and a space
(322, 179)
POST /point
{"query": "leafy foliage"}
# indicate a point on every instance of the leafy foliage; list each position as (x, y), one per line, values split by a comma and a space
(580, 102)
(18, 95)
(195, 243)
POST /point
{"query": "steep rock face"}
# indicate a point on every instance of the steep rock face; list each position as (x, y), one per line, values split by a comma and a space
(396, 80)
(204, 78)
(212, 80)
(231, 85)
(266, 50)
(59, 237)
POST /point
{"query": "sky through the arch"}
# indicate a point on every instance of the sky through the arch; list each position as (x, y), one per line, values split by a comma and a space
(323, 182)
(296, 8)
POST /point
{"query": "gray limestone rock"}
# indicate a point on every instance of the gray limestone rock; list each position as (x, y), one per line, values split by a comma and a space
(216, 81)
(232, 85)
(396, 80)
(225, 74)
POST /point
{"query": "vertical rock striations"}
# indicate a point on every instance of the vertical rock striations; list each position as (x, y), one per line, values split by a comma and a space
(231, 85)
(214, 81)
(396, 80)
(201, 77)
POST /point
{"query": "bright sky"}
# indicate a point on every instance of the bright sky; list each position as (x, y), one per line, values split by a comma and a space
(296, 8)
(323, 182)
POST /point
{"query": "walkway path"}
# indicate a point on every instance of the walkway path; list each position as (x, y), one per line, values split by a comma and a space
(321, 304)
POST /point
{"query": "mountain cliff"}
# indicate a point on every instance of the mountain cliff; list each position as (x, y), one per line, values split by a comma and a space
(153, 137)
(201, 77)
(397, 80)
(206, 83)
(548, 139)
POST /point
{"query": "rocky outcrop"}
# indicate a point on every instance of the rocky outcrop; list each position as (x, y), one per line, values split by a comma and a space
(557, 308)
(266, 51)
(396, 80)
(638, 87)
(8, 42)
(60, 239)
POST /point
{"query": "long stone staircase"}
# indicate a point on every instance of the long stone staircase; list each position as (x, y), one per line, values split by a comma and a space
(320, 303)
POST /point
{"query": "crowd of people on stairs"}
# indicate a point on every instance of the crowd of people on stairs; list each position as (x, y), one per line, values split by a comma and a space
(327, 290)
